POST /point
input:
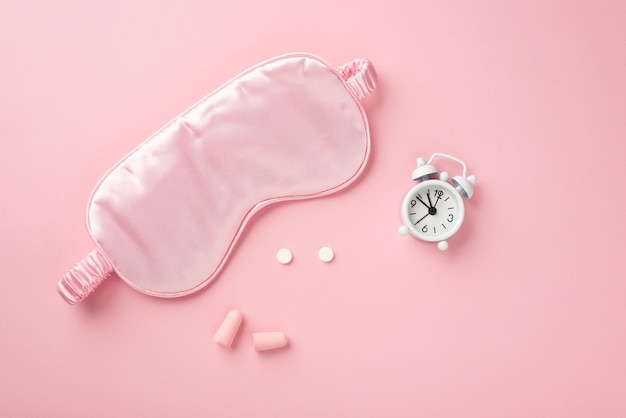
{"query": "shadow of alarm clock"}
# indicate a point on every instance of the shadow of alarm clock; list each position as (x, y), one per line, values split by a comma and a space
(433, 210)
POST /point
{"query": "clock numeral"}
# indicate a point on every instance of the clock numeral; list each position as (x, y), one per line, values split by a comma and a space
(438, 193)
(450, 217)
(413, 203)
(425, 228)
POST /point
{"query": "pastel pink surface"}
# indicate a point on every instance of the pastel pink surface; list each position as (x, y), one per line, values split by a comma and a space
(522, 316)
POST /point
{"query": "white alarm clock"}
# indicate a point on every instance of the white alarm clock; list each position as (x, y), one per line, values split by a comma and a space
(433, 210)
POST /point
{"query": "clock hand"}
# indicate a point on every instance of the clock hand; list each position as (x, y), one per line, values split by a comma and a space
(420, 199)
(420, 219)
(429, 201)
(438, 197)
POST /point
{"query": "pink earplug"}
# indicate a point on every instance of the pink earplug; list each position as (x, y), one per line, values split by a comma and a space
(269, 340)
(228, 330)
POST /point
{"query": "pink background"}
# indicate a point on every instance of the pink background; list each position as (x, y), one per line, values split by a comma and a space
(524, 316)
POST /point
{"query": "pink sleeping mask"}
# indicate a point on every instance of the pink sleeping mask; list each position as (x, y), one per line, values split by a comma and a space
(167, 216)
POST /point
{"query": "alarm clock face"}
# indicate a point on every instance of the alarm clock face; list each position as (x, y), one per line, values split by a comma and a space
(433, 210)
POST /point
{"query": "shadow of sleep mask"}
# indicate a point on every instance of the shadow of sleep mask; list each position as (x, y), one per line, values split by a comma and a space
(167, 216)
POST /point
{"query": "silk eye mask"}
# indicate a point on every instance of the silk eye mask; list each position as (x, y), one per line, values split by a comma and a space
(168, 215)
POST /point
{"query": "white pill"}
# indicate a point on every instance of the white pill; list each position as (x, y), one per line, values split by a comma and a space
(326, 254)
(284, 256)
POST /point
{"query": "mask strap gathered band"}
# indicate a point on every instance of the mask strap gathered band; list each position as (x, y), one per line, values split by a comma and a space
(360, 76)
